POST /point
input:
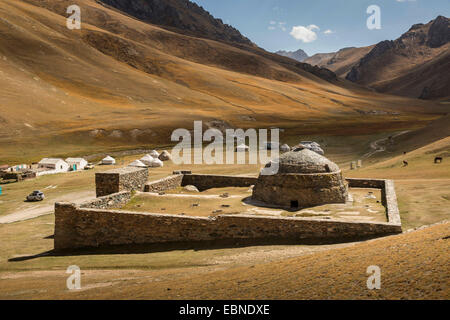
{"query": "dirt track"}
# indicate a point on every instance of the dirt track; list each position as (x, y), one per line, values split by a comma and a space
(36, 210)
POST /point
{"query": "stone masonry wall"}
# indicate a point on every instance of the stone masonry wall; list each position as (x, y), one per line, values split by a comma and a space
(204, 182)
(169, 183)
(111, 201)
(77, 227)
(117, 180)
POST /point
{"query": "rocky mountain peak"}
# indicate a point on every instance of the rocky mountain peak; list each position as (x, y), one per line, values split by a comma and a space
(184, 15)
(298, 55)
(439, 32)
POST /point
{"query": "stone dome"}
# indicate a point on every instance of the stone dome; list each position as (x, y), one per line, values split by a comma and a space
(305, 161)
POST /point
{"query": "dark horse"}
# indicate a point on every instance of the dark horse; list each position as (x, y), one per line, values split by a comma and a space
(405, 163)
(438, 160)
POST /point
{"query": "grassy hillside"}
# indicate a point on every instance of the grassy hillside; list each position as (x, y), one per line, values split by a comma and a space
(340, 62)
(119, 83)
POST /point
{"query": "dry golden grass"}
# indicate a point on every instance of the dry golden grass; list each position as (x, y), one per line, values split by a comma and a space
(413, 265)
(210, 204)
(127, 75)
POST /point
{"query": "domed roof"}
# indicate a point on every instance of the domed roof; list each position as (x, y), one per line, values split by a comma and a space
(305, 161)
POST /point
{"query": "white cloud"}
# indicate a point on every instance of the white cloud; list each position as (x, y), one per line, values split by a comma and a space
(273, 22)
(328, 31)
(305, 34)
(271, 28)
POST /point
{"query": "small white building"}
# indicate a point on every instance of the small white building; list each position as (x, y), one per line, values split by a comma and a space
(108, 161)
(52, 165)
(18, 167)
(76, 164)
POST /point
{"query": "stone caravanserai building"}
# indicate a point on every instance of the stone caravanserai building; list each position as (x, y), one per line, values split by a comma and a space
(304, 179)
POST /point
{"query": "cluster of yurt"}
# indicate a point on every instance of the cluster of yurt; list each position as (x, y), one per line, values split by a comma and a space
(152, 160)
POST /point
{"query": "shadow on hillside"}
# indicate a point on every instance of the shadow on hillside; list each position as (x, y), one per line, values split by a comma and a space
(195, 246)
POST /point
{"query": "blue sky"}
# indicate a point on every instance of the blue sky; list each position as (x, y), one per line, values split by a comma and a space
(321, 25)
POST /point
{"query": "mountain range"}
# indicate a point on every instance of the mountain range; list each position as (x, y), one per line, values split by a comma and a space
(415, 65)
(298, 55)
(138, 69)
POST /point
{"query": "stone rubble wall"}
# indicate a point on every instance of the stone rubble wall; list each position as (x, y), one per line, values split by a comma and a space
(168, 183)
(390, 202)
(117, 180)
(77, 227)
(111, 201)
(204, 182)
(366, 183)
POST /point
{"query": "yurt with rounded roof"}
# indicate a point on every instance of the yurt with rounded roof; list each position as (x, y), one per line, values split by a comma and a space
(147, 159)
(154, 154)
(303, 179)
(137, 164)
(108, 160)
(156, 163)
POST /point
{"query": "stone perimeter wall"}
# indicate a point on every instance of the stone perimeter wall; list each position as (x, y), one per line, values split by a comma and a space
(91, 224)
(78, 228)
(204, 182)
(111, 201)
(169, 183)
(201, 181)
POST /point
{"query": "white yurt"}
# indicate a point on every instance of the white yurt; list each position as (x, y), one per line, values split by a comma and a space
(109, 161)
(156, 163)
(285, 148)
(154, 154)
(242, 148)
(147, 159)
(137, 164)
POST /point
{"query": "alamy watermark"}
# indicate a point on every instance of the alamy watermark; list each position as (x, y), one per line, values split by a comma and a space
(374, 280)
(374, 20)
(74, 20)
(190, 147)
(73, 282)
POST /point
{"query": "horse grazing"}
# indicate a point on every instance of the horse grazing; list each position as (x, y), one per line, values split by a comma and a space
(405, 163)
(438, 160)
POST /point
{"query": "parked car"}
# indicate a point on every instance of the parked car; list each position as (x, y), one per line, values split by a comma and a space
(36, 196)
(89, 166)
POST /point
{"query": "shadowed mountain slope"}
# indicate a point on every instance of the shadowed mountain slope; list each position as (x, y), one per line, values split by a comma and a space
(340, 62)
(415, 65)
